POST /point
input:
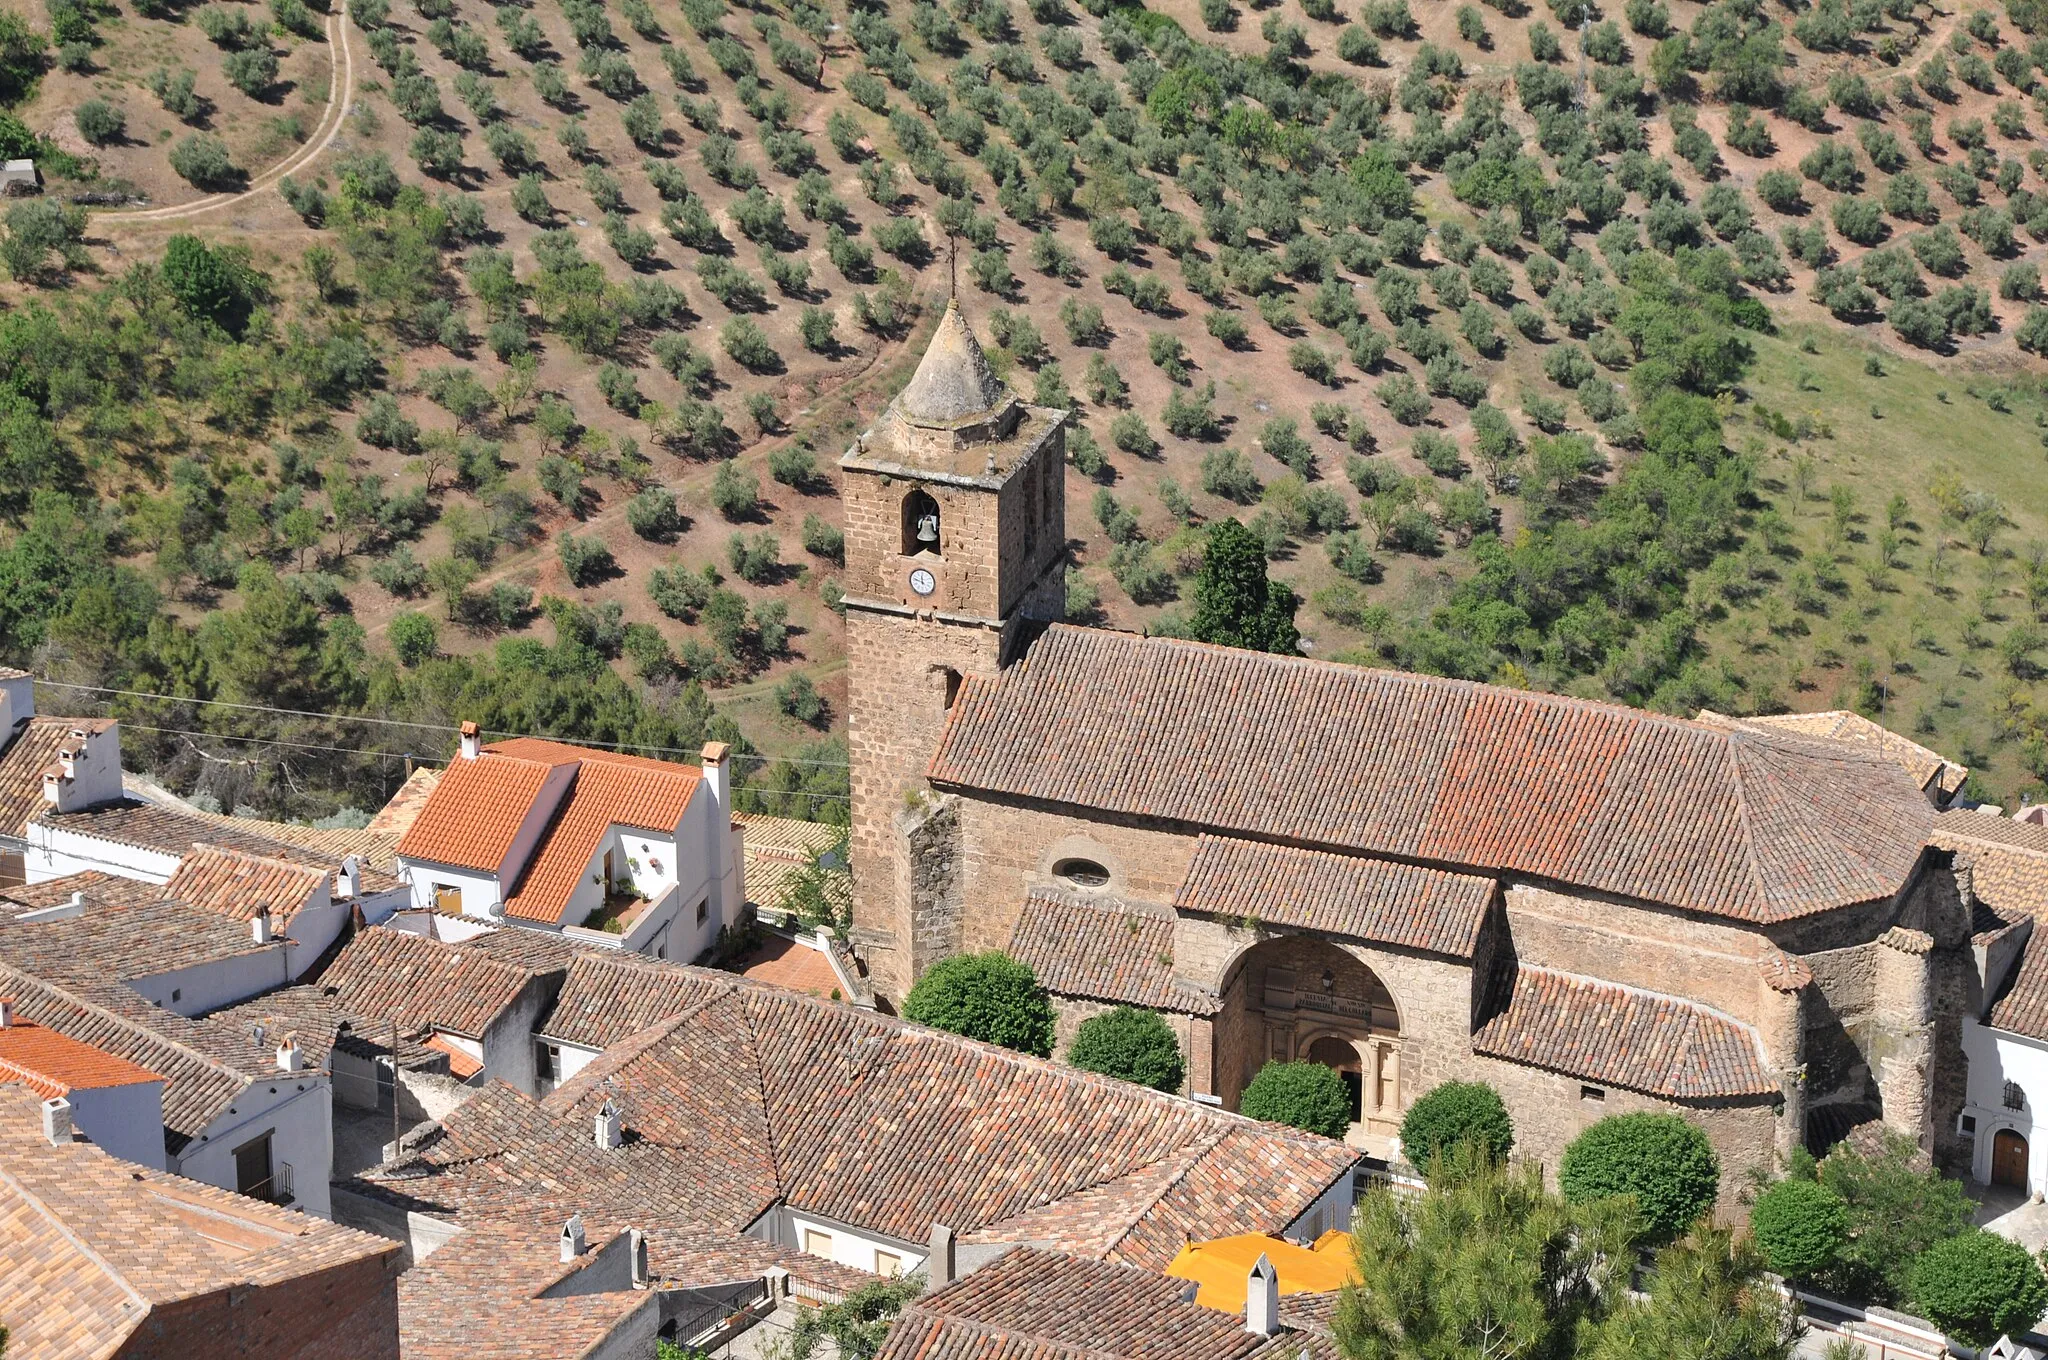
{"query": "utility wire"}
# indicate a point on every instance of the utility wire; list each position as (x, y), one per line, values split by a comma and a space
(418, 726)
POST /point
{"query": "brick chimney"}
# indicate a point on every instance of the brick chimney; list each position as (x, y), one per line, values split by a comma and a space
(87, 771)
(573, 1244)
(57, 1121)
(1262, 1298)
(472, 744)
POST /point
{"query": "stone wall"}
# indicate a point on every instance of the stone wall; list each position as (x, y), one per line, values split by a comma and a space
(1710, 962)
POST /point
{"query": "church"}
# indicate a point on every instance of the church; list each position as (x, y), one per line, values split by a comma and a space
(1410, 879)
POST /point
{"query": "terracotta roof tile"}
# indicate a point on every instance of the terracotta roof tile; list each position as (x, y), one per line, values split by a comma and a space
(474, 814)
(1103, 950)
(1618, 1036)
(122, 938)
(2022, 1005)
(1366, 899)
(33, 750)
(95, 1243)
(460, 1063)
(238, 885)
(606, 793)
(783, 962)
(1928, 769)
(374, 850)
(99, 890)
(606, 998)
(396, 817)
(384, 972)
(51, 1063)
(1732, 822)
(1975, 825)
(1040, 1305)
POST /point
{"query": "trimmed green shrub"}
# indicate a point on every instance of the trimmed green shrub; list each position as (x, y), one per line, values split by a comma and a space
(991, 997)
(1978, 1286)
(414, 637)
(1661, 1159)
(1135, 1045)
(1453, 1113)
(1801, 1226)
(1307, 1095)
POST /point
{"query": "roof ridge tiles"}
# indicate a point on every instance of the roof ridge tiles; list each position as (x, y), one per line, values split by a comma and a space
(134, 1027)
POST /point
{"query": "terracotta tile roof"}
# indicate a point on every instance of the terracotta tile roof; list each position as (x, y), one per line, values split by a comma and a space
(375, 850)
(51, 1064)
(33, 750)
(171, 831)
(606, 793)
(396, 817)
(384, 972)
(778, 849)
(96, 1244)
(758, 1095)
(1988, 828)
(609, 997)
(782, 962)
(2022, 1006)
(800, 840)
(117, 941)
(567, 753)
(1728, 821)
(1366, 899)
(460, 1064)
(2006, 863)
(1928, 769)
(1104, 951)
(1618, 1036)
(474, 813)
(1040, 1305)
(100, 890)
(238, 885)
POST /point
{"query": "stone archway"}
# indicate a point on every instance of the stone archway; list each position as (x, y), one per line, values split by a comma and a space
(1300, 997)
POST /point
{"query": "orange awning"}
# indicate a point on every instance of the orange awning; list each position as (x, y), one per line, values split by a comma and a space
(1220, 1267)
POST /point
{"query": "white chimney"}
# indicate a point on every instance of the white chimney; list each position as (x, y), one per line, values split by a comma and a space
(637, 1241)
(1262, 1298)
(472, 746)
(572, 1238)
(726, 893)
(57, 1121)
(6, 1013)
(939, 1265)
(608, 1131)
(259, 927)
(348, 879)
(288, 1059)
(63, 911)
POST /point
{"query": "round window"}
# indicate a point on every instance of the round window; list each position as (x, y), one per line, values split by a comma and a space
(1082, 873)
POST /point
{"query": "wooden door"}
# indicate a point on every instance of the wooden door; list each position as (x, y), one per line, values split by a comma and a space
(2009, 1159)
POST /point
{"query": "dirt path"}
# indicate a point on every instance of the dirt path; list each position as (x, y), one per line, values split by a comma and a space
(341, 79)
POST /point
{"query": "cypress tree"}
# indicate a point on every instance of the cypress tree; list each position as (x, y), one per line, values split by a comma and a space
(1235, 604)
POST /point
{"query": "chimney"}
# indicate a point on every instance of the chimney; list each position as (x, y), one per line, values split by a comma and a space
(348, 880)
(57, 1121)
(471, 746)
(63, 911)
(6, 1013)
(259, 926)
(572, 1238)
(288, 1059)
(726, 895)
(940, 1266)
(608, 1131)
(637, 1243)
(17, 702)
(1262, 1298)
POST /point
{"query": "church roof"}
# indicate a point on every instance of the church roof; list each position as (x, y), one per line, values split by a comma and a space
(953, 381)
(1741, 823)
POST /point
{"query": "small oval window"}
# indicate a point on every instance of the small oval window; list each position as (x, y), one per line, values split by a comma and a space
(1082, 873)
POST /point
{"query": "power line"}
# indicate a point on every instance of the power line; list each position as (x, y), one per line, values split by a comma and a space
(417, 726)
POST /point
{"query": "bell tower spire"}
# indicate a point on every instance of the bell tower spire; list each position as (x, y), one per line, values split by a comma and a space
(955, 506)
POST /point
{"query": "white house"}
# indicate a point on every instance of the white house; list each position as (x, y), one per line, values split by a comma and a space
(610, 849)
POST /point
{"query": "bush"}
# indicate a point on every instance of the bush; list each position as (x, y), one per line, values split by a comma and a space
(1453, 1113)
(735, 494)
(99, 122)
(991, 997)
(1307, 1095)
(202, 160)
(1801, 1226)
(1130, 1044)
(653, 515)
(414, 637)
(585, 561)
(1664, 1161)
(1979, 1286)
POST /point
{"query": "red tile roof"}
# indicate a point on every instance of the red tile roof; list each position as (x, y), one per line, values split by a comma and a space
(475, 812)
(1618, 1036)
(1735, 822)
(460, 1063)
(1102, 950)
(2022, 1004)
(1366, 899)
(1927, 768)
(396, 817)
(33, 750)
(237, 884)
(783, 962)
(384, 972)
(609, 997)
(608, 792)
(51, 1063)
(758, 1095)
(99, 889)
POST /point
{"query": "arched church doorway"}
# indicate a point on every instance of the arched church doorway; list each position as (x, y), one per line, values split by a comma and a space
(1300, 998)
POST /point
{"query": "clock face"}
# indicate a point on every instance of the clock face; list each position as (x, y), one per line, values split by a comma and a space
(923, 582)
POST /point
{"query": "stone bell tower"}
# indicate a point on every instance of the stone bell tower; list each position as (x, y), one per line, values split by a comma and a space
(955, 541)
